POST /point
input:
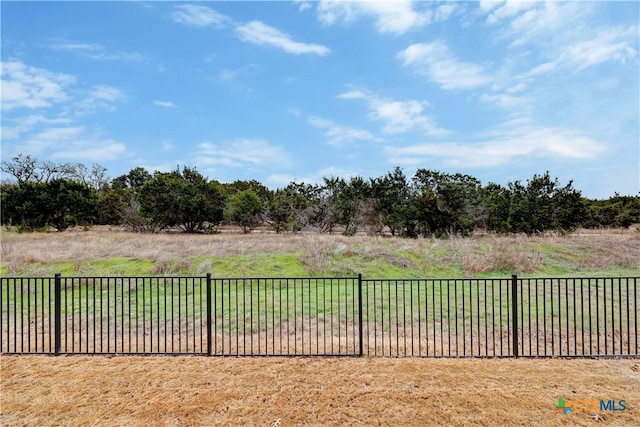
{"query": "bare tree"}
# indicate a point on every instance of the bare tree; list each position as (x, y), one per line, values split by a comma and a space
(95, 177)
(25, 168)
(22, 168)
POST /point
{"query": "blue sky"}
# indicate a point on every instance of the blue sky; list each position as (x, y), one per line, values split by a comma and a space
(284, 91)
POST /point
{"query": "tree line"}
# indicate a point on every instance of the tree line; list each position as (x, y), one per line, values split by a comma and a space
(430, 203)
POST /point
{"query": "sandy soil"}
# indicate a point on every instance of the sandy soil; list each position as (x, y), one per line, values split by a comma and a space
(201, 391)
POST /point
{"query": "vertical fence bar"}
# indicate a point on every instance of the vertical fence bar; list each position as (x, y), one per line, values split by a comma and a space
(2, 320)
(57, 314)
(70, 337)
(514, 309)
(360, 335)
(209, 328)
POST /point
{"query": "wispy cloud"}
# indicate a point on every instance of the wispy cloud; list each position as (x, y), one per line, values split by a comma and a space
(26, 124)
(545, 24)
(164, 104)
(394, 17)
(259, 33)
(71, 143)
(303, 5)
(24, 86)
(233, 74)
(440, 65)
(337, 134)
(239, 153)
(501, 10)
(100, 97)
(200, 16)
(397, 116)
(502, 147)
(93, 151)
(612, 44)
(58, 100)
(255, 32)
(97, 52)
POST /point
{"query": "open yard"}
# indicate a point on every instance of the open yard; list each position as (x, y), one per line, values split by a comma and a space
(200, 391)
(280, 391)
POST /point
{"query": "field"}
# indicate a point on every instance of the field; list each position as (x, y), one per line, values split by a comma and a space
(112, 253)
(90, 390)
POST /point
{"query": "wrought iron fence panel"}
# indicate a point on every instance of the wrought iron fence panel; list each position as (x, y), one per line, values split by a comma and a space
(493, 317)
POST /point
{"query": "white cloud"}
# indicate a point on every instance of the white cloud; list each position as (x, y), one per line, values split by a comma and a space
(52, 137)
(613, 44)
(245, 70)
(255, 32)
(71, 143)
(26, 124)
(24, 86)
(394, 17)
(487, 5)
(303, 5)
(199, 16)
(440, 65)
(164, 104)
(504, 146)
(397, 116)
(546, 24)
(93, 151)
(258, 33)
(507, 9)
(97, 51)
(608, 45)
(54, 133)
(354, 94)
(100, 97)
(337, 134)
(443, 12)
(502, 100)
(240, 153)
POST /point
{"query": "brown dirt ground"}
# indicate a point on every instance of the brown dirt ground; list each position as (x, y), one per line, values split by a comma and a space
(201, 391)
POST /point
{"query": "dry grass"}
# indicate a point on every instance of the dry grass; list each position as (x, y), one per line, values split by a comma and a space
(168, 391)
(35, 253)
(197, 391)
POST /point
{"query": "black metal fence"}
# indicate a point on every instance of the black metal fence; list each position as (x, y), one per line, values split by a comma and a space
(352, 316)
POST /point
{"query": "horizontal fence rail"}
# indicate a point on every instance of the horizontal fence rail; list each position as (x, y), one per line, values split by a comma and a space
(351, 316)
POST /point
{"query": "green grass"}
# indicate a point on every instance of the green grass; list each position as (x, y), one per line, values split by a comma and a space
(125, 254)
(285, 298)
(266, 265)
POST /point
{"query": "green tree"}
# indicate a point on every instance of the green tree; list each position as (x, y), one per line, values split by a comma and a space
(617, 211)
(24, 205)
(134, 180)
(446, 203)
(112, 205)
(495, 208)
(183, 199)
(392, 196)
(351, 203)
(70, 203)
(244, 208)
(543, 205)
(58, 203)
(286, 209)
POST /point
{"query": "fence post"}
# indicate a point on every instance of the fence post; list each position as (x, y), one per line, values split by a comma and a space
(360, 333)
(57, 321)
(209, 330)
(514, 313)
